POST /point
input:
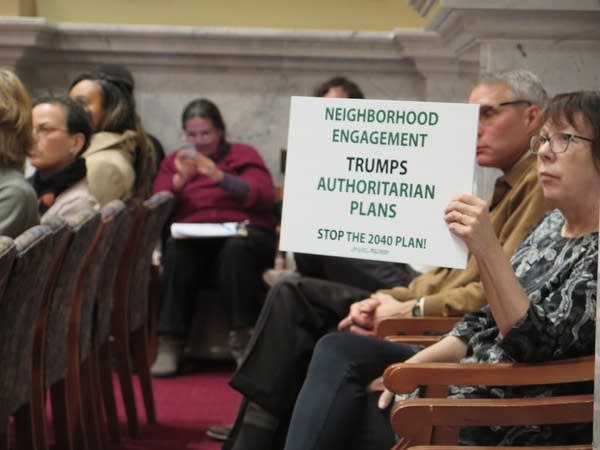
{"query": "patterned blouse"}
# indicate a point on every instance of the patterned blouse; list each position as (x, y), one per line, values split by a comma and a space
(560, 277)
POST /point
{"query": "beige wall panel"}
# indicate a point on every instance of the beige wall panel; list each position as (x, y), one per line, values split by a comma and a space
(310, 14)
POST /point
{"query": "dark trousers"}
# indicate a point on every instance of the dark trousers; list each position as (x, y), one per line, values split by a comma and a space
(333, 410)
(233, 265)
(363, 273)
(297, 312)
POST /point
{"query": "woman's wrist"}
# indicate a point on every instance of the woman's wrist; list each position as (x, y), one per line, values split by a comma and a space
(218, 175)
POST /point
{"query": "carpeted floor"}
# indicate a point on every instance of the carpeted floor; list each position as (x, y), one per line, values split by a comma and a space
(185, 406)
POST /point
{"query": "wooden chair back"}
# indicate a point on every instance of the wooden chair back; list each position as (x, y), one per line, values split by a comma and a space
(158, 208)
(19, 311)
(65, 303)
(113, 216)
(117, 265)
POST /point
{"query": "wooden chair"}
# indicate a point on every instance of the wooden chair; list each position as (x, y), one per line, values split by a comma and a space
(53, 343)
(436, 419)
(130, 315)
(111, 289)
(19, 312)
(82, 324)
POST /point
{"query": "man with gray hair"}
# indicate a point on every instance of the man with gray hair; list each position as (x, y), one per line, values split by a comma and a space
(299, 310)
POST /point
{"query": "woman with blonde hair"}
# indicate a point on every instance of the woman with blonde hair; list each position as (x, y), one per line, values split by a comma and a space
(18, 206)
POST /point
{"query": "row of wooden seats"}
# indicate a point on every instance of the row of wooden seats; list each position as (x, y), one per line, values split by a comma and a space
(432, 422)
(69, 294)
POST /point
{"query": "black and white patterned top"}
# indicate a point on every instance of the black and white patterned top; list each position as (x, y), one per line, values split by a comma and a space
(560, 277)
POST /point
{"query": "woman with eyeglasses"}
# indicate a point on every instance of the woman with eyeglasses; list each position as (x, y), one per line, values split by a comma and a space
(214, 181)
(541, 304)
(18, 206)
(62, 131)
(120, 158)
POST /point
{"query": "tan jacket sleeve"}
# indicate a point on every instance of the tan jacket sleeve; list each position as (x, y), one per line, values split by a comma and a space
(454, 292)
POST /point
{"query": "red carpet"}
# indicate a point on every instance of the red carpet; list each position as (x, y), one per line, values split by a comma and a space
(185, 406)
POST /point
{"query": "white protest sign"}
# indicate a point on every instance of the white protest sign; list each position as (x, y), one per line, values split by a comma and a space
(370, 178)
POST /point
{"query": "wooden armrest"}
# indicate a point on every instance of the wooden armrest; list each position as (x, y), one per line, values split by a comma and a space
(409, 416)
(414, 325)
(405, 378)
(420, 339)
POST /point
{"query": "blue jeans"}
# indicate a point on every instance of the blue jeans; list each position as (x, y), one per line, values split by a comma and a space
(333, 410)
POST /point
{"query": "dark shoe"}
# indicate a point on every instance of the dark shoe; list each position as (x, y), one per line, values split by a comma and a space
(219, 432)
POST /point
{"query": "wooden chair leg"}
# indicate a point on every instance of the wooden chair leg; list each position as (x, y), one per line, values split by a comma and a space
(73, 386)
(124, 371)
(139, 343)
(90, 412)
(107, 392)
(38, 412)
(61, 416)
(94, 385)
(24, 432)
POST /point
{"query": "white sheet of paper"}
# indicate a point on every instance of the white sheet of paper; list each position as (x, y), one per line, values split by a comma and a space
(180, 230)
(365, 179)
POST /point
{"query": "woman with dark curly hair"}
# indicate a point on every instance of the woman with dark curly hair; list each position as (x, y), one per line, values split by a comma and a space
(120, 158)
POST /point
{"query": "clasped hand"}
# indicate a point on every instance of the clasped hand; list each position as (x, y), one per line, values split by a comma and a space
(364, 314)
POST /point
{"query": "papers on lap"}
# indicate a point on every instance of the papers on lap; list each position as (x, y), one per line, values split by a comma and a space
(207, 230)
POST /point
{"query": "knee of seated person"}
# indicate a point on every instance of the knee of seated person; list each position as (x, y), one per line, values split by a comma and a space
(334, 346)
(235, 245)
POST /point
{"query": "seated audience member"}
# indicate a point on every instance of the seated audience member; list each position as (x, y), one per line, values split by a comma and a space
(18, 206)
(542, 308)
(62, 131)
(299, 310)
(120, 157)
(213, 181)
(362, 273)
(121, 75)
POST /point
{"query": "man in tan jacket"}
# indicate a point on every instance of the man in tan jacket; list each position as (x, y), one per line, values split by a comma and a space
(298, 310)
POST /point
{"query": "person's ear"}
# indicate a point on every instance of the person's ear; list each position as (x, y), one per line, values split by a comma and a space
(77, 141)
(533, 114)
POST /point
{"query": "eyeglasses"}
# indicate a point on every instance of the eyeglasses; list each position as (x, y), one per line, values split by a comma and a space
(487, 112)
(559, 142)
(44, 130)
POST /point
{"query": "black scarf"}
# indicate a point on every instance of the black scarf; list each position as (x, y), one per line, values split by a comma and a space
(47, 190)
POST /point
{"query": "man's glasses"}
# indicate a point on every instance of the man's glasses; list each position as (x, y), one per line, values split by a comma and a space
(559, 142)
(487, 112)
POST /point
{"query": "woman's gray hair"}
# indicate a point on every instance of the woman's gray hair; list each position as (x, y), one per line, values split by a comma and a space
(524, 84)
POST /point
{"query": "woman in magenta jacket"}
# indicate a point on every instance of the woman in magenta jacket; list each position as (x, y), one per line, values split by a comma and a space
(213, 181)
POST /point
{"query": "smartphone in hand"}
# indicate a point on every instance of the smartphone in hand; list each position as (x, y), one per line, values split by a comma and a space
(189, 152)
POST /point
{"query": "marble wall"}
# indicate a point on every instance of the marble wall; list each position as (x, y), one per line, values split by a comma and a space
(251, 73)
